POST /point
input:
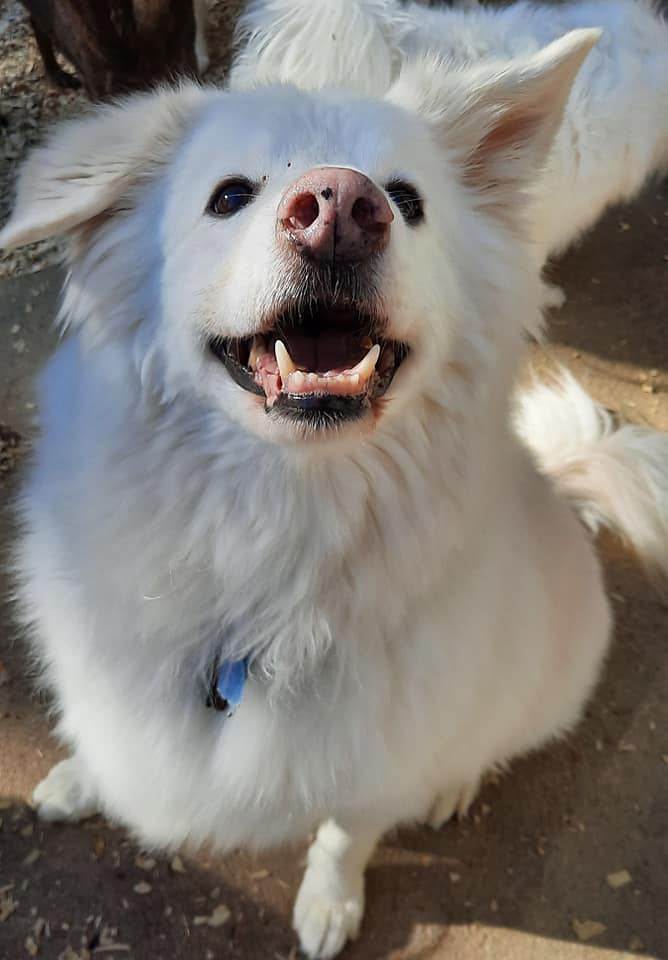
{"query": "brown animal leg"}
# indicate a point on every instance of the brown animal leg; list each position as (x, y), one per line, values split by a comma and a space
(54, 72)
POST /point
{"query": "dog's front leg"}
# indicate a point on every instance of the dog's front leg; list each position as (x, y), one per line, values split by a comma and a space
(330, 903)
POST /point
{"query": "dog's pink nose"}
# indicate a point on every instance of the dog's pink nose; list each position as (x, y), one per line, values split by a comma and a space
(333, 213)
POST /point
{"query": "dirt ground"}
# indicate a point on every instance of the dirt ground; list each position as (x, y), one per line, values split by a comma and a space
(565, 858)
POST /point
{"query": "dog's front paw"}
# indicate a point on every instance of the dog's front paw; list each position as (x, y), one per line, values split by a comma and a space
(454, 800)
(552, 297)
(66, 793)
(328, 911)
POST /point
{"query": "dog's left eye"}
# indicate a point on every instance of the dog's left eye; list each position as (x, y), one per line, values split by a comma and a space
(230, 196)
(407, 199)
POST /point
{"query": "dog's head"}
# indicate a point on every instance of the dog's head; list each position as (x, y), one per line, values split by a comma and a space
(299, 260)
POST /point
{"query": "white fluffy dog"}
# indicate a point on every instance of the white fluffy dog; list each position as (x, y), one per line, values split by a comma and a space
(286, 559)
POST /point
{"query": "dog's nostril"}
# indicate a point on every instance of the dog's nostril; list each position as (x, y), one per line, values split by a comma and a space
(304, 211)
(365, 215)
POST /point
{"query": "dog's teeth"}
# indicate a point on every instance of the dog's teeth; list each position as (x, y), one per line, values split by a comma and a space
(367, 365)
(284, 361)
(297, 379)
(312, 377)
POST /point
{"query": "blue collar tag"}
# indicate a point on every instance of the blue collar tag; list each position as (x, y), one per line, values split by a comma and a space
(227, 685)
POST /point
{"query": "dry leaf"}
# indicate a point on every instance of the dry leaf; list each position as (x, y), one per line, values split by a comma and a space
(145, 863)
(7, 906)
(220, 915)
(177, 865)
(618, 879)
(588, 929)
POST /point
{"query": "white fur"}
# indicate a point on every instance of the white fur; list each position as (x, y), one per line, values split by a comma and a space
(396, 653)
(615, 131)
(616, 477)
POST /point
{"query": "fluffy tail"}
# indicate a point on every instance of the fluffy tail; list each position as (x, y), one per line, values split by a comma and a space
(318, 43)
(616, 477)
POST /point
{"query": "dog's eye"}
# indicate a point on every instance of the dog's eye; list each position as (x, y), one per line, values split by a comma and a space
(230, 196)
(407, 199)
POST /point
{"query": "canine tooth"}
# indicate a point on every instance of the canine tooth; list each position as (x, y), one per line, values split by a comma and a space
(284, 361)
(367, 365)
(354, 378)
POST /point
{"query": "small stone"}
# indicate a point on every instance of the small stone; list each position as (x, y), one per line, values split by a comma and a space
(145, 863)
(494, 906)
(31, 947)
(618, 879)
(588, 929)
(176, 865)
(169, 911)
(624, 226)
(142, 888)
(455, 877)
(15, 328)
(19, 346)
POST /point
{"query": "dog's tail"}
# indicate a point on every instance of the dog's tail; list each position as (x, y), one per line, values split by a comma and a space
(318, 43)
(615, 476)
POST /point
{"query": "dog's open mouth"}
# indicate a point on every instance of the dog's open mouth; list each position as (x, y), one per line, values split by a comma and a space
(323, 364)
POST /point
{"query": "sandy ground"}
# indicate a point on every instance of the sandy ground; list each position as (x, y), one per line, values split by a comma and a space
(566, 857)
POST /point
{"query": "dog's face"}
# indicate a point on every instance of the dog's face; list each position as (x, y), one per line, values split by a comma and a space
(298, 260)
(302, 262)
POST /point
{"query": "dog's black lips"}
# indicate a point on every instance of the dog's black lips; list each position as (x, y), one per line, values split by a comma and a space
(341, 332)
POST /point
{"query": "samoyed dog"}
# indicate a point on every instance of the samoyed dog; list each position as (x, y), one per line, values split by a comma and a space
(294, 555)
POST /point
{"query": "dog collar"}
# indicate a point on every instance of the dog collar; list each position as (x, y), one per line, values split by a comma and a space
(226, 688)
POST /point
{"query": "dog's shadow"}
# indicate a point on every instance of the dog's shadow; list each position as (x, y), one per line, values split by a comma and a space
(616, 283)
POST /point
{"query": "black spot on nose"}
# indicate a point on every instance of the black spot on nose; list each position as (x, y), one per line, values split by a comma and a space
(327, 193)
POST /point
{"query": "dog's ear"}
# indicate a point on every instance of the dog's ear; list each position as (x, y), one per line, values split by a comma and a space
(89, 164)
(497, 122)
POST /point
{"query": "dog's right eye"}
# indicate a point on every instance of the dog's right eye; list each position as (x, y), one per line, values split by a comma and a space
(230, 196)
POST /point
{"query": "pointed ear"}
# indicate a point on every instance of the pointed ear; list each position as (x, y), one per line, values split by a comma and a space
(497, 122)
(88, 164)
